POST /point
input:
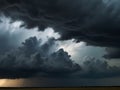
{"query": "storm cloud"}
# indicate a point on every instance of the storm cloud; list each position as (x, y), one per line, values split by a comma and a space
(33, 58)
(112, 53)
(96, 68)
(95, 22)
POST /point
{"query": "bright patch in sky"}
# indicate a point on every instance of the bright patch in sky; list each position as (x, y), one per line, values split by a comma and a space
(79, 51)
(16, 34)
(15, 26)
(70, 46)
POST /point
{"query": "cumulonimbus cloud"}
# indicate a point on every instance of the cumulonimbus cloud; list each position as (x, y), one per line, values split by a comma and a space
(33, 58)
(91, 21)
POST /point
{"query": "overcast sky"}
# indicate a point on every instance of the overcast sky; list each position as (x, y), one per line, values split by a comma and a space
(76, 42)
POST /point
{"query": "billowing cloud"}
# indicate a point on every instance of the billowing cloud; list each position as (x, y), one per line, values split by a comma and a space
(95, 22)
(12, 35)
(33, 58)
(46, 60)
(36, 59)
(92, 21)
(96, 68)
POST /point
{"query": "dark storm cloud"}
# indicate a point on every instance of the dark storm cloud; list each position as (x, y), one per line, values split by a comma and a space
(32, 59)
(91, 21)
(96, 68)
(35, 60)
(88, 20)
(112, 53)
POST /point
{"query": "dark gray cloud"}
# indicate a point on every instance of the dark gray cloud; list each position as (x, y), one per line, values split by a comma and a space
(112, 53)
(95, 22)
(91, 21)
(33, 58)
(96, 68)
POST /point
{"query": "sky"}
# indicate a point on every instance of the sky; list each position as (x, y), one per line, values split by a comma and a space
(59, 43)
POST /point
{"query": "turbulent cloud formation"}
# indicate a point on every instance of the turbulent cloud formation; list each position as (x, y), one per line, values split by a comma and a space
(33, 58)
(91, 21)
(36, 59)
(96, 22)
(12, 35)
